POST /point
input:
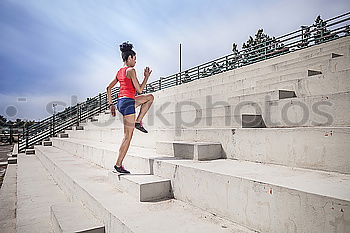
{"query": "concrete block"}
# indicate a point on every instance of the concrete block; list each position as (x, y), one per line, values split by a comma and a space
(3, 164)
(63, 135)
(313, 72)
(14, 150)
(47, 143)
(79, 127)
(284, 94)
(30, 151)
(190, 150)
(252, 121)
(335, 55)
(11, 160)
(71, 217)
(144, 187)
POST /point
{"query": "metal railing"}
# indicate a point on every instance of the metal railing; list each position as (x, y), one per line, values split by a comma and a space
(317, 33)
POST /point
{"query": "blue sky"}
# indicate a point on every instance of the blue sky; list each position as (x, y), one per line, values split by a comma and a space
(53, 50)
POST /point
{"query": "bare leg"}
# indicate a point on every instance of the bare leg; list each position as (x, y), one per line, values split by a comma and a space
(145, 101)
(129, 125)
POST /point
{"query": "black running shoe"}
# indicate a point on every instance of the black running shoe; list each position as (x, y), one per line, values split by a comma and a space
(139, 126)
(121, 169)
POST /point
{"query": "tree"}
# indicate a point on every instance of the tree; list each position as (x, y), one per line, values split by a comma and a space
(261, 47)
(322, 34)
(3, 120)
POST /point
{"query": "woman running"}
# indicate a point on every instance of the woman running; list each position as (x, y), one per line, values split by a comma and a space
(127, 101)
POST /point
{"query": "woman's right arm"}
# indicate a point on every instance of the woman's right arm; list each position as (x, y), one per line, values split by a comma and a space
(109, 95)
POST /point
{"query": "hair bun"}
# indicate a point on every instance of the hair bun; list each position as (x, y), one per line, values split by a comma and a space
(126, 46)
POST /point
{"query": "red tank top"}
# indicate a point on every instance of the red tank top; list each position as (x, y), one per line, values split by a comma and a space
(127, 88)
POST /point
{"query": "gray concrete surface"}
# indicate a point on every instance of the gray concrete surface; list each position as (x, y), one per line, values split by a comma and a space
(120, 212)
(8, 200)
(36, 192)
(70, 217)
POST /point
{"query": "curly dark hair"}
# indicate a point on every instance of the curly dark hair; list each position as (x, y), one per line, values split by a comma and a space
(126, 49)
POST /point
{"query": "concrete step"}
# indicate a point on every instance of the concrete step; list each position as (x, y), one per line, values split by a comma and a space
(145, 187)
(71, 217)
(270, 95)
(322, 110)
(262, 68)
(190, 150)
(236, 84)
(253, 188)
(316, 85)
(119, 211)
(325, 64)
(263, 193)
(321, 148)
(303, 85)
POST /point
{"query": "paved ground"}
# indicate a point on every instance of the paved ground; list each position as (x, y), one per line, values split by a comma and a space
(8, 200)
(36, 192)
(4, 150)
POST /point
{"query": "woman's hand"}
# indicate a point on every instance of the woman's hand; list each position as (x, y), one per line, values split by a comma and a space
(112, 108)
(147, 72)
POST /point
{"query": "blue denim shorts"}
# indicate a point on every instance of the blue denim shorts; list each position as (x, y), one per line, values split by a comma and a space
(126, 106)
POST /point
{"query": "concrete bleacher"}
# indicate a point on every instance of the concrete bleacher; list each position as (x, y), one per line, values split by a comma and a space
(215, 170)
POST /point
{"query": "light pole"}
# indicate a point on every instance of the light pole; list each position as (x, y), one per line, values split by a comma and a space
(180, 62)
(54, 108)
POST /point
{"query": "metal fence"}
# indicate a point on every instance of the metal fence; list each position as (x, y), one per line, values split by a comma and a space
(317, 33)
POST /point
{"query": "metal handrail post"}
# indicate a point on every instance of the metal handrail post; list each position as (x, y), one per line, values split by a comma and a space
(100, 101)
(27, 136)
